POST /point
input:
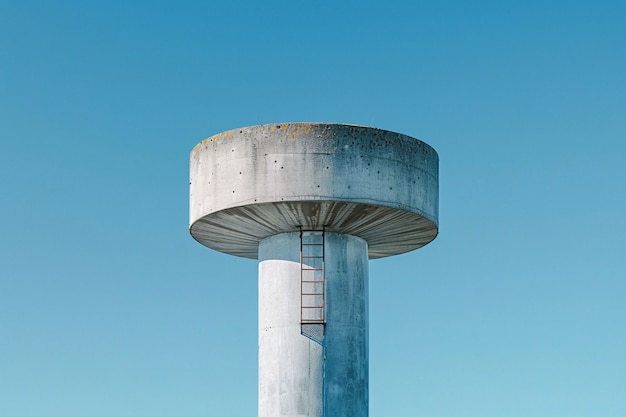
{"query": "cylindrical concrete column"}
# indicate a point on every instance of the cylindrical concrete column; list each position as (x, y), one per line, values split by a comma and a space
(290, 365)
(298, 376)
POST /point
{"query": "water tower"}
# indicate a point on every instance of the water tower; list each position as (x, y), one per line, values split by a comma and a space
(313, 202)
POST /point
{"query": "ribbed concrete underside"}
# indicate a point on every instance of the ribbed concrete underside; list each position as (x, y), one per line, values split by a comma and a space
(250, 183)
(239, 230)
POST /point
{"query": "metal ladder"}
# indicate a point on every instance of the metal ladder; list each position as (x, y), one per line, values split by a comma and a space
(312, 284)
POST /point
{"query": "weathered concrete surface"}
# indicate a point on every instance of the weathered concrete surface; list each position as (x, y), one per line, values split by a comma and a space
(297, 376)
(250, 183)
(346, 342)
(290, 365)
(375, 193)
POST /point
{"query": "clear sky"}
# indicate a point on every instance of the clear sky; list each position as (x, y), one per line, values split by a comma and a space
(109, 308)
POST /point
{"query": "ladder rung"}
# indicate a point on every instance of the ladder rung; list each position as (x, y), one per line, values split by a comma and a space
(313, 280)
(312, 293)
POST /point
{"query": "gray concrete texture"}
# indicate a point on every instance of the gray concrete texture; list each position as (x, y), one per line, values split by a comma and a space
(374, 193)
(298, 376)
(251, 183)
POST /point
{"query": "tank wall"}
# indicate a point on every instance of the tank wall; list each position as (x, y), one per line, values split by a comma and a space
(313, 162)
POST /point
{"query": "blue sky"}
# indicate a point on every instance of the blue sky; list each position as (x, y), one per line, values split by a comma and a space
(109, 308)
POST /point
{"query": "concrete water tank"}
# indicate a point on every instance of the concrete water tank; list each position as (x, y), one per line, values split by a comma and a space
(313, 202)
